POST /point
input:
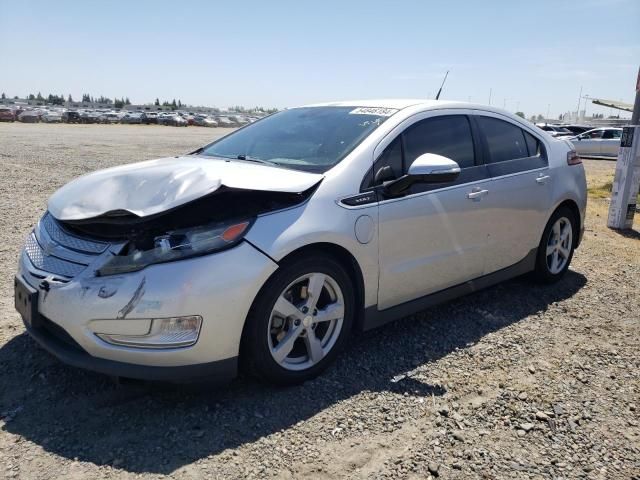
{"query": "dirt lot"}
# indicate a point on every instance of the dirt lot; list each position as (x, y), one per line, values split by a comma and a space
(517, 381)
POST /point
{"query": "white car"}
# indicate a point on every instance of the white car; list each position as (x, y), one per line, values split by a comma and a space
(272, 244)
(51, 117)
(555, 130)
(599, 142)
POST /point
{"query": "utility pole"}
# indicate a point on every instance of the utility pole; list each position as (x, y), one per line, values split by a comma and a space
(578, 110)
(547, 117)
(489, 96)
(626, 182)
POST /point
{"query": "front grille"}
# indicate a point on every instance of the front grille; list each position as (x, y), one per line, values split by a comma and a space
(58, 234)
(53, 250)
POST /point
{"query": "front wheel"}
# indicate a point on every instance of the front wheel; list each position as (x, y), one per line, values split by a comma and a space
(300, 321)
(556, 246)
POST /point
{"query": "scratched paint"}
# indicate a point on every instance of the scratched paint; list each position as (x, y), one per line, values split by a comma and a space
(135, 299)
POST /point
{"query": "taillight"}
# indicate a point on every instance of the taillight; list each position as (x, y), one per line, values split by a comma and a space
(573, 158)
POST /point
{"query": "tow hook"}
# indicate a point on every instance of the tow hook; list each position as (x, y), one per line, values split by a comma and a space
(44, 285)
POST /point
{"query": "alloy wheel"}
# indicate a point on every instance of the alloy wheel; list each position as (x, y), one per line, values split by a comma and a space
(306, 321)
(559, 245)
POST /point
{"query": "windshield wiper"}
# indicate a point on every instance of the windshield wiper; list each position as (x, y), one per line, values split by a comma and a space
(257, 160)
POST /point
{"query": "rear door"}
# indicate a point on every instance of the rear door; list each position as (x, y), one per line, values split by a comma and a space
(435, 235)
(520, 190)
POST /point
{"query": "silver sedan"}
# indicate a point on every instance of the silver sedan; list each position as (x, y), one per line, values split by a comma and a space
(274, 243)
(599, 142)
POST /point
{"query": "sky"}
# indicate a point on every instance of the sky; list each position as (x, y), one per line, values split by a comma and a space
(534, 56)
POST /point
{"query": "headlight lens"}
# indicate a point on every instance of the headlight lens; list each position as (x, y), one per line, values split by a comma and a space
(177, 245)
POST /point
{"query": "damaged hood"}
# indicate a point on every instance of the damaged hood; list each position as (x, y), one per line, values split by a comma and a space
(151, 187)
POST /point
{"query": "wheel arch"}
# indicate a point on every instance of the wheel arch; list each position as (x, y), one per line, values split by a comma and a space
(346, 259)
(573, 206)
(342, 255)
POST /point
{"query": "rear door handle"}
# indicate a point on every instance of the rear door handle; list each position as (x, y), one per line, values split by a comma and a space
(542, 179)
(477, 194)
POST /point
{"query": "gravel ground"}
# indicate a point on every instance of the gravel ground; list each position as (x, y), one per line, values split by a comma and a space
(517, 381)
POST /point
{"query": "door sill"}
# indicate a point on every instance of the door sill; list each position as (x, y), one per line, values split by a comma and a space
(374, 318)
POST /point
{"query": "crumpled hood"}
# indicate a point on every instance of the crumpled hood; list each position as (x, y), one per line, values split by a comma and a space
(151, 187)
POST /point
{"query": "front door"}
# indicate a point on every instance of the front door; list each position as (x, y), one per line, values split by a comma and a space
(435, 236)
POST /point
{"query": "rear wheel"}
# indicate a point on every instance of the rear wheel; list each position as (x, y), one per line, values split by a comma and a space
(300, 321)
(556, 246)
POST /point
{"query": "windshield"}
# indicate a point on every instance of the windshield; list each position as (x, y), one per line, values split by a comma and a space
(311, 139)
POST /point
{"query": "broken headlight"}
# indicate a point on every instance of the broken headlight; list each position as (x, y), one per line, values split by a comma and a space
(176, 245)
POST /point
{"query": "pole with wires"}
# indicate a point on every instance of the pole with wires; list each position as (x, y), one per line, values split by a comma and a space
(624, 193)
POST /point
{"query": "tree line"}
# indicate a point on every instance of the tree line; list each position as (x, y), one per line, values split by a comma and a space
(86, 98)
(124, 101)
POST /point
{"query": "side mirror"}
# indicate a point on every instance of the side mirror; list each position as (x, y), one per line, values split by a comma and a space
(427, 168)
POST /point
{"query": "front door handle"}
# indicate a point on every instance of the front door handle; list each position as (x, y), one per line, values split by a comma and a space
(477, 194)
(542, 179)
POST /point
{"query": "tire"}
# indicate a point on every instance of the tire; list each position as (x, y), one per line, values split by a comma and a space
(268, 333)
(554, 249)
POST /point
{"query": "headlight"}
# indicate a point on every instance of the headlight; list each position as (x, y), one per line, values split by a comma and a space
(177, 245)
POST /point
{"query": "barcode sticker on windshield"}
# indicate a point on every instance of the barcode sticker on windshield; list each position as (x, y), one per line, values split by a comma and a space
(382, 112)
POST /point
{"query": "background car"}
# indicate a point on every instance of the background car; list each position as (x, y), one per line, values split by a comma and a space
(577, 129)
(599, 142)
(555, 130)
(30, 116)
(71, 116)
(109, 117)
(204, 121)
(90, 116)
(149, 117)
(51, 116)
(225, 122)
(7, 115)
(162, 118)
(188, 118)
(172, 119)
(131, 118)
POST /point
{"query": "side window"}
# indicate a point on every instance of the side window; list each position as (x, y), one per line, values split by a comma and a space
(595, 134)
(448, 135)
(504, 140)
(533, 145)
(608, 134)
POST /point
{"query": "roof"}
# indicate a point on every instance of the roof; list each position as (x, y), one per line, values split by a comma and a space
(397, 103)
(401, 103)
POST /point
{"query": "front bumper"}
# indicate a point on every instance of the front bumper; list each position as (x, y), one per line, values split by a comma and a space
(68, 352)
(219, 287)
